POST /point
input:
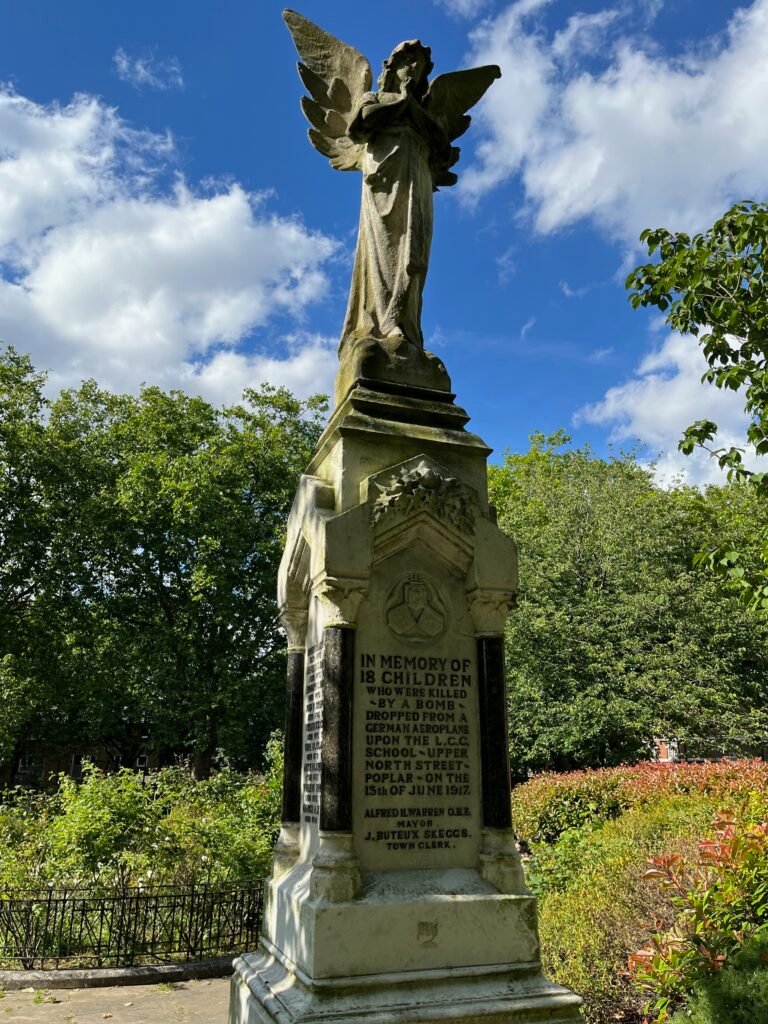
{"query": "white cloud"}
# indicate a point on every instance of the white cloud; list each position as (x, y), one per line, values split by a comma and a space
(599, 355)
(148, 70)
(104, 273)
(57, 162)
(647, 140)
(527, 327)
(582, 33)
(516, 107)
(664, 397)
(507, 265)
(307, 367)
(463, 8)
(573, 293)
(650, 9)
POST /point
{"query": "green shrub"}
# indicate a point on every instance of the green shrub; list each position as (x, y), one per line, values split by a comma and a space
(600, 909)
(720, 902)
(24, 838)
(118, 830)
(101, 826)
(592, 833)
(549, 805)
(737, 994)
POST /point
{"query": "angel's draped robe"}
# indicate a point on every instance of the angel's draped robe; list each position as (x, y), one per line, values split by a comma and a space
(394, 239)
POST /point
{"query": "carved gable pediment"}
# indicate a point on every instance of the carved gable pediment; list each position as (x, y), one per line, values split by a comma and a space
(419, 499)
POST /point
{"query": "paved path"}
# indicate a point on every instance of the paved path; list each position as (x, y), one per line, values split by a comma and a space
(185, 1002)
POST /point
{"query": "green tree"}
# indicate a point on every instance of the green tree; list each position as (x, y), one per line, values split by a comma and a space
(150, 595)
(616, 638)
(172, 516)
(713, 286)
(25, 532)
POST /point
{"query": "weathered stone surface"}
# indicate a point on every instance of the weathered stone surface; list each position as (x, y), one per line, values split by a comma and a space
(398, 894)
(294, 733)
(264, 989)
(422, 487)
(416, 739)
(114, 978)
(401, 139)
(404, 866)
(336, 761)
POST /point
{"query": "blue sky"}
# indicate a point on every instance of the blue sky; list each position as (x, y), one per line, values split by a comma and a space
(163, 217)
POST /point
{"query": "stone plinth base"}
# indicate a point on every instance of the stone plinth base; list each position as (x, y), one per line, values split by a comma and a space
(402, 921)
(424, 946)
(267, 990)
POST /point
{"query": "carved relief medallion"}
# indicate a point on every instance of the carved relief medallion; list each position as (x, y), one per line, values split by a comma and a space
(415, 611)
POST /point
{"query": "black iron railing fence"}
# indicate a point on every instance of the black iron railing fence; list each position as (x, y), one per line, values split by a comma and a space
(78, 928)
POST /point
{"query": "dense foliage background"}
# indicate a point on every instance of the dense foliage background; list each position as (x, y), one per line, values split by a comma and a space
(617, 637)
(139, 543)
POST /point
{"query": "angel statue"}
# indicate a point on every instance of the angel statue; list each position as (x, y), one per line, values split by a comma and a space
(401, 139)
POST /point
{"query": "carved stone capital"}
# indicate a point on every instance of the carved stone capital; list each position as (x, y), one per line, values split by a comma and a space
(294, 622)
(286, 850)
(335, 872)
(500, 862)
(341, 598)
(490, 610)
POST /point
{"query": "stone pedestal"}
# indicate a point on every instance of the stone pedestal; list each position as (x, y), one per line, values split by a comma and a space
(397, 892)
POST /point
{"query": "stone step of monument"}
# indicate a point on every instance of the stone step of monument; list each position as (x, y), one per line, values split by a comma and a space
(492, 995)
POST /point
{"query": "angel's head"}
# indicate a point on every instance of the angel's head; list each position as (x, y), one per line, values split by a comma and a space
(407, 67)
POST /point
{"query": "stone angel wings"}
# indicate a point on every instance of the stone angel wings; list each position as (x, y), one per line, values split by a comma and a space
(338, 77)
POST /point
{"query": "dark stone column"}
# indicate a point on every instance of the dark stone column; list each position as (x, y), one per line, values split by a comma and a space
(294, 714)
(494, 748)
(336, 779)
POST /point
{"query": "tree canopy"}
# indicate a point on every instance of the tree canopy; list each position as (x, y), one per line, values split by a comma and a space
(617, 638)
(713, 286)
(139, 543)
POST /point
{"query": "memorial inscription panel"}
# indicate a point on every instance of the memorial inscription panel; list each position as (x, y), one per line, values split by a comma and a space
(313, 726)
(311, 754)
(416, 799)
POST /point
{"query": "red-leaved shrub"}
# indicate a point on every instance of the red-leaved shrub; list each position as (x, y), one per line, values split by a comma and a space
(721, 902)
(550, 804)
